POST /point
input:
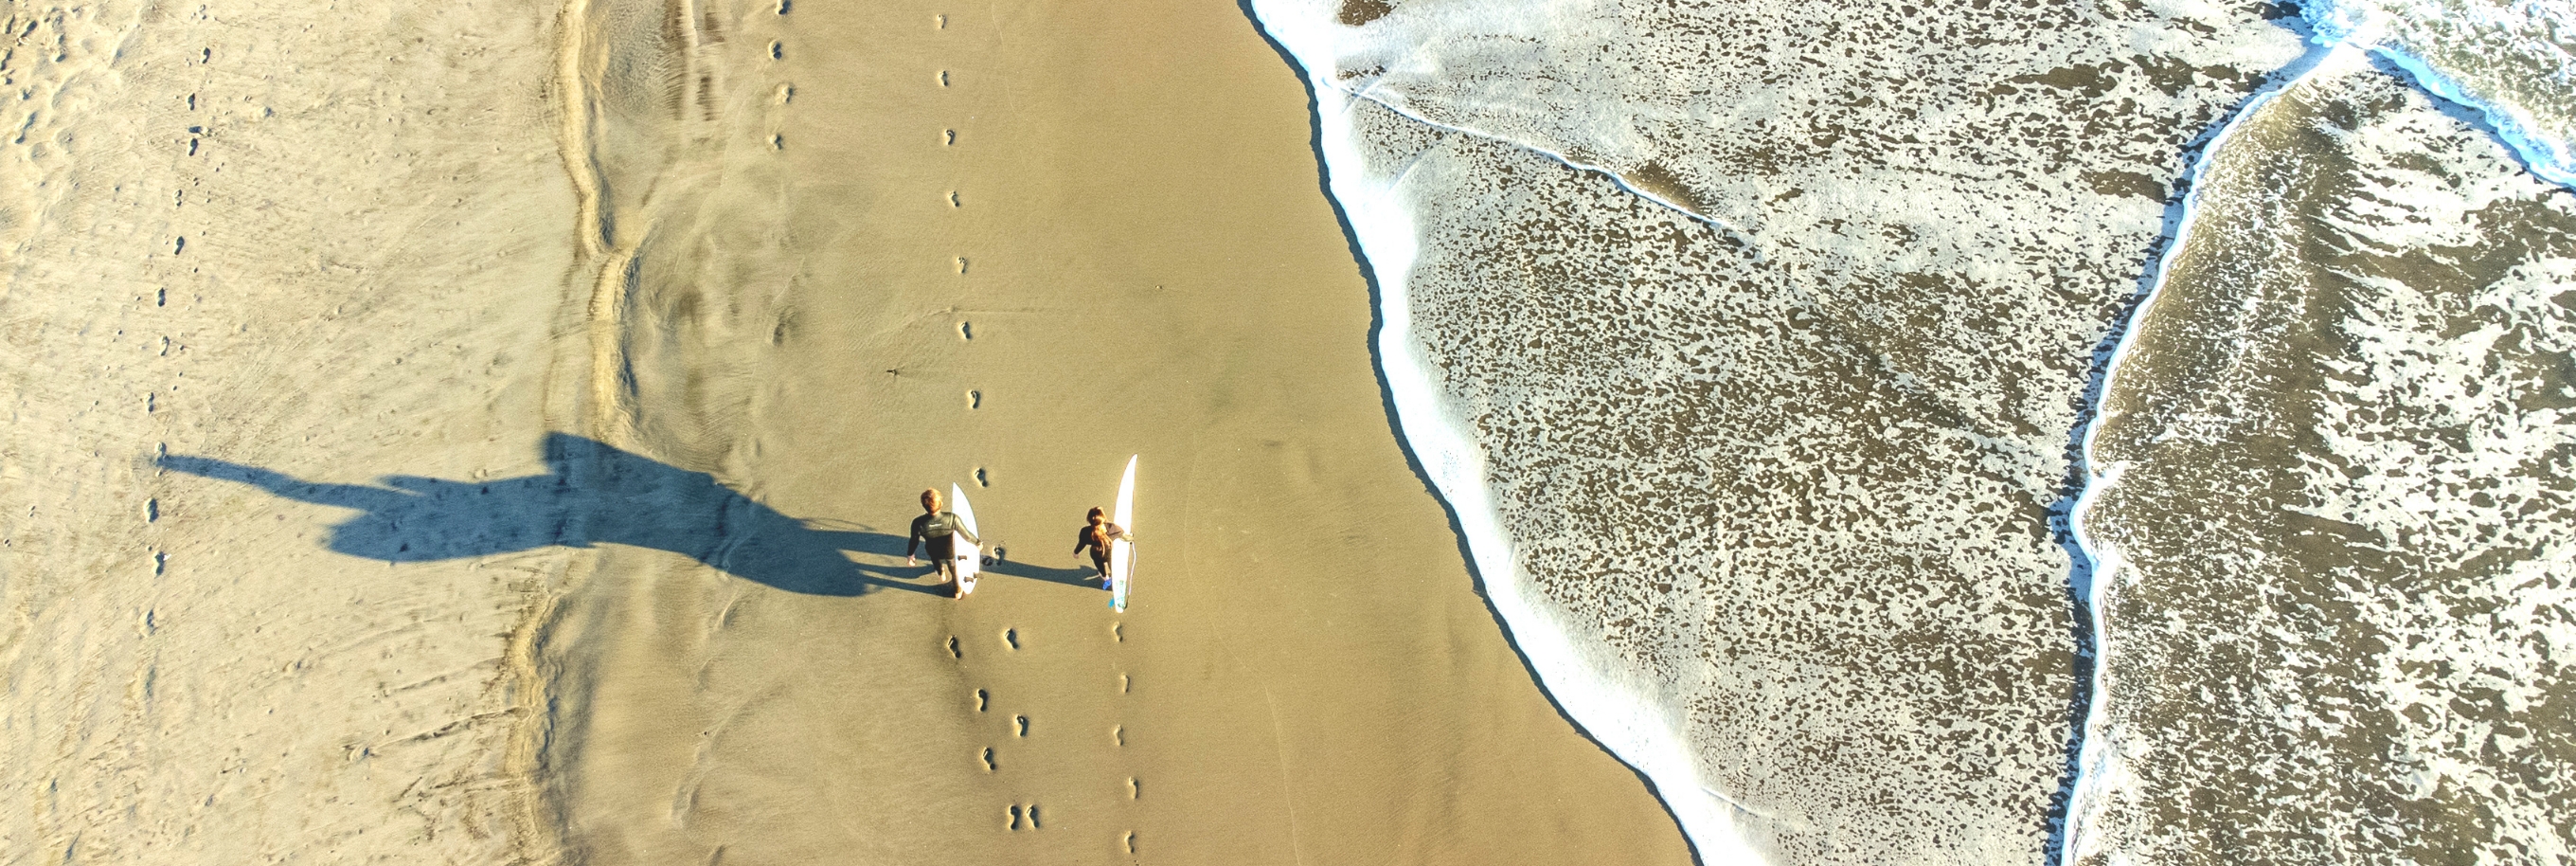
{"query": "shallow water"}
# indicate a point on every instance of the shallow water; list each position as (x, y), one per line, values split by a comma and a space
(2335, 522)
(1752, 350)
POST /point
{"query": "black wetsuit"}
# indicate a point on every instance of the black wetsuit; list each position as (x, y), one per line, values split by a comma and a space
(1099, 544)
(936, 535)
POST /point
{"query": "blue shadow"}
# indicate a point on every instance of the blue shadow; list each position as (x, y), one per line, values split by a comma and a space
(591, 494)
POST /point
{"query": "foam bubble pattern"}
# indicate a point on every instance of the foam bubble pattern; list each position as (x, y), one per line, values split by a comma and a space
(1747, 343)
(2514, 61)
(2334, 503)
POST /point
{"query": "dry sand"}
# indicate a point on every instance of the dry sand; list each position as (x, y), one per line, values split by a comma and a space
(327, 242)
(643, 601)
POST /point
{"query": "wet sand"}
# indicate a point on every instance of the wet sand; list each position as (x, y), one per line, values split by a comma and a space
(504, 456)
(1018, 246)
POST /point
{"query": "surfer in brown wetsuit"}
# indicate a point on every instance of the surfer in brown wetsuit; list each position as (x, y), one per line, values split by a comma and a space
(935, 533)
(1096, 536)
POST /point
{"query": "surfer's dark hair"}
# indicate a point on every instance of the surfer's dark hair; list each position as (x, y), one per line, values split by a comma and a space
(1097, 514)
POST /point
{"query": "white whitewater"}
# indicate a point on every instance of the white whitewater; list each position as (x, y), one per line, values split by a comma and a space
(2513, 61)
(2399, 576)
(1753, 396)
(2099, 764)
(1629, 718)
(1751, 348)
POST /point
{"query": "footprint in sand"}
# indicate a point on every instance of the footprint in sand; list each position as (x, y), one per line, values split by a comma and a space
(953, 650)
(974, 399)
(965, 330)
(1118, 735)
(948, 137)
(983, 700)
(1021, 724)
(989, 765)
(777, 50)
(1033, 816)
(1130, 841)
(1135, 790)
(1011, 636)
(1015, 816)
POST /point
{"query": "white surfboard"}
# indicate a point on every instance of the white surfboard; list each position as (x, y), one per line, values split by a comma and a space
(1122, 552)
(970, 555)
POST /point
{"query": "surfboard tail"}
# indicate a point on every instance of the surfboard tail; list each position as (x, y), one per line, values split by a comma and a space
(968, 555)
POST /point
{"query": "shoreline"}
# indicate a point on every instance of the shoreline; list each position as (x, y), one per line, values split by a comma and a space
(2094, 760)
(1609, 713)
(540, 518)
(1048, 281)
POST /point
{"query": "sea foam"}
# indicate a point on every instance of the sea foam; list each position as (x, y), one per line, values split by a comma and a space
(1745, 345)
(2512, 61)
(2330, 514)
(2104, 751)
(2507, 63)
(1634, 726)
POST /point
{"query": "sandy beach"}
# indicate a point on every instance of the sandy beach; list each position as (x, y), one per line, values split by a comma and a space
(1740, 433)
(488, 436)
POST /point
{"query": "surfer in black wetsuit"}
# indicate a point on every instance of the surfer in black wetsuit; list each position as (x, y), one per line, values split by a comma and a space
(935, 533)
(1096, 536)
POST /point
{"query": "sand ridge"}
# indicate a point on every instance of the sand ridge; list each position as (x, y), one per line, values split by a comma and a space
(303, 246)
(1020, 246)
(486, 434)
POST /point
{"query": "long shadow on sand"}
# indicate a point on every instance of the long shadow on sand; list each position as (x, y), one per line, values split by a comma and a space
(592, 494)
(1082, 577)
